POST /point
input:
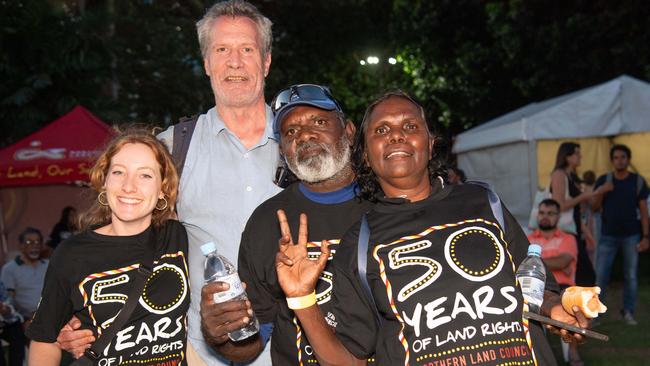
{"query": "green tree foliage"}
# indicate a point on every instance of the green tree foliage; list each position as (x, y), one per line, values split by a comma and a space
(474, 60)
(466, 60)
(323, 42)
(126, 61)
(46, 66)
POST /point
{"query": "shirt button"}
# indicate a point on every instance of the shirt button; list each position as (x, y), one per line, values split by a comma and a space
(249, 188)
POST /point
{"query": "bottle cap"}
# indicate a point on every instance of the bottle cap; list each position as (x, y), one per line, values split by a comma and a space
(535, 249)
(208, 248)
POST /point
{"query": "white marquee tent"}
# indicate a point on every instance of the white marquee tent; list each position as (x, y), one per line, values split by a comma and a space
(516, 152)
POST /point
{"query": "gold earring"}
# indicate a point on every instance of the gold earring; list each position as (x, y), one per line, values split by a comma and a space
(164, 207)
(99, 198)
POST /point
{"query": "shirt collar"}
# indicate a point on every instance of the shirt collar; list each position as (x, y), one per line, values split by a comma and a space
(330, 198)
(437, 186)
(538, 233)
(19, 261)
(217, 124)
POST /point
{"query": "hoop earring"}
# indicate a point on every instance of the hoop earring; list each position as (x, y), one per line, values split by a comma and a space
(164, 207)
(99, 198)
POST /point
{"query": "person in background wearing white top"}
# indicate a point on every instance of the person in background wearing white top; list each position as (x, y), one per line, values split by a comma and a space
(566, 191)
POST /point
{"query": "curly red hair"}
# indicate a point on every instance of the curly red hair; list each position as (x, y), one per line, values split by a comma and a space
(101, 215)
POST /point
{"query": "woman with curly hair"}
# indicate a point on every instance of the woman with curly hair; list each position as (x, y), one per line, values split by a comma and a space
(90, 275)
(429, 277)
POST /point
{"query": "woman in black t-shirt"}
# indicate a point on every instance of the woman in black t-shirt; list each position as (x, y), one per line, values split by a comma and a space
(91, 273)
(440, 269)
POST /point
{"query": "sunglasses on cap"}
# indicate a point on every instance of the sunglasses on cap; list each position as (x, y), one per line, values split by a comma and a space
(304, 93)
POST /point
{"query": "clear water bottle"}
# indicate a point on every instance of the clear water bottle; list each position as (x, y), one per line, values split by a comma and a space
(531, 275)
(218, 268)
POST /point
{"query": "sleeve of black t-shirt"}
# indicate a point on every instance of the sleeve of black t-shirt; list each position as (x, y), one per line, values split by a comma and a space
(174, 232)
(518, 246)
(354, 315)
(55, 308)
(256, 264)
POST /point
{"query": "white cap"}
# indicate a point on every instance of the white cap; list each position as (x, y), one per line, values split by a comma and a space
(208, 248)
(535, 249)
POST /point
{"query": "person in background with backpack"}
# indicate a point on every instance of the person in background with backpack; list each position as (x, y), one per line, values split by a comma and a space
(624, 213)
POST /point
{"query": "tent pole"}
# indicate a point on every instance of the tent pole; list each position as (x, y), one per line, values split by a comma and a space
(532, 166)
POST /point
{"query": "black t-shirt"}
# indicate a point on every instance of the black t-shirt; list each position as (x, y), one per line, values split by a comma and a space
(89, 277)
(620, 207)
(257, 251)
(442, 274)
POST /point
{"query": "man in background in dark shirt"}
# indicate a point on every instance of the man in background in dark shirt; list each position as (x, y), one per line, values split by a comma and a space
(624, 212)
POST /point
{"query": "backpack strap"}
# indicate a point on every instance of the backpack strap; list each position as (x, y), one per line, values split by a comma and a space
(609, 178)
(183, 132)
(362, 262)
(495, 202)
(139, 278)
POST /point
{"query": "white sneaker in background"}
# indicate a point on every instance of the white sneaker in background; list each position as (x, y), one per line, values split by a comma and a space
(628, 318)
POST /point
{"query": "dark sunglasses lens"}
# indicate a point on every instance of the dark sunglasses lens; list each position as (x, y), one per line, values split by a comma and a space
(305, 92)
(281, 99)
(311, 92)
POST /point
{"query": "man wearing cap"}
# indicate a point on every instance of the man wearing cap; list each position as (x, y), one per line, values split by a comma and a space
(315, 141)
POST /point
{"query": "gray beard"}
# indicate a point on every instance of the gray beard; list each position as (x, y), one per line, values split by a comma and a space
(323, 166)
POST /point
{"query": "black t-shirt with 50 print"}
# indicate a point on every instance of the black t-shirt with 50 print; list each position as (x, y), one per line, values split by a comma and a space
(442, 273)
(90, 276)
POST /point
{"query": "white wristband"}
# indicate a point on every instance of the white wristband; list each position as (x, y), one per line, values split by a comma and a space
(302, 302)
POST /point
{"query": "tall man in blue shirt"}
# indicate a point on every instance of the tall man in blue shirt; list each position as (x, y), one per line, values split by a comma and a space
(624, 225)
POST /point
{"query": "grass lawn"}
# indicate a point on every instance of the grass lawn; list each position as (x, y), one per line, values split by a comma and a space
(628, 345)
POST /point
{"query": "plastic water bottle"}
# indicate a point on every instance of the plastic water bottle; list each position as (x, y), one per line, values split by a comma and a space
(531, 275)
(218, 268)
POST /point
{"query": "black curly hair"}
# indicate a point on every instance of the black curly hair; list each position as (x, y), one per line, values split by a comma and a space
(369, 187)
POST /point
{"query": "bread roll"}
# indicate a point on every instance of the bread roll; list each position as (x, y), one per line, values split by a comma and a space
(585, 298)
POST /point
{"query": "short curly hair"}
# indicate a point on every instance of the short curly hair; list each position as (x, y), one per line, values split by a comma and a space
(369, 187)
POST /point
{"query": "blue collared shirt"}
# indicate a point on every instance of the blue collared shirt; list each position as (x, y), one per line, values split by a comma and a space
(222, 183)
